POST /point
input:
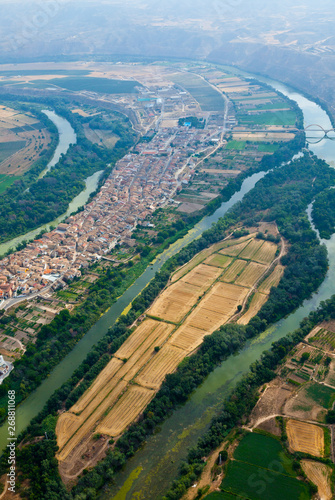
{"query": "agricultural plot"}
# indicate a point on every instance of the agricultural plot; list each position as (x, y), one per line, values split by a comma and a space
(205, 319)
(255, 305)
(255, 456)
(266, 253)
(251, 274)
(165, 361)
(71, 429)
(320, 475)
(208, 98)
(103, 85)
(149, 331)
(218, 260)
(251, 249)
(321, 394)
(202, 276)
(306, 438)
(100, 382)
(235, 250)
(201, 256)
(323, 338)
(145, 351)
(9, 148)
(187, 338)
(175, 302)
(263, 451)
(234, 270)
(129, 406)
(245, 481)
(272, 280)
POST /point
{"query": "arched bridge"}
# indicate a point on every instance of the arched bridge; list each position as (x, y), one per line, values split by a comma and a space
(314, 127)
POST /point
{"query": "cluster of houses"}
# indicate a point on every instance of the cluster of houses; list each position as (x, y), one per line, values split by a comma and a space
(141, 182)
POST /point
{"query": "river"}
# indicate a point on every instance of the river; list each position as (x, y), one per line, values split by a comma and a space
(150, 472)
(67, 137)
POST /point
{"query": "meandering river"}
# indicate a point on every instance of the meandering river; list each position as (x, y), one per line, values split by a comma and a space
(67, 137)
(150, 472)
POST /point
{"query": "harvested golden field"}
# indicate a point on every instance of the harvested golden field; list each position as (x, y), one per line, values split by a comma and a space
(272, 280)
(175, 302)
(218, 260)
(256, 303)
(216, 307)
(201, 256)
(71, 429)
(202, 276)
(320, 475)
(266, 253)
(143, 354)
(149, 332)
(304, 437)
(165, 361)
(235, 250)
(206, 320)
(251, 249)
(128, 407)
(100, 382)
(251, 274)
(234, 270)
(187, 338)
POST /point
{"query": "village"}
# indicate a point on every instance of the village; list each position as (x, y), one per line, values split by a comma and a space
(142, 181)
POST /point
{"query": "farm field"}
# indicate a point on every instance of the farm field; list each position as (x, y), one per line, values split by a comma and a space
(245, 481)
(126, 410)
(22, 139)
(266, 253)
(251, 249)
(6, 181)
(283, 118)
(189, 308)
(256, 303)
(251, 274)
(320, 475)
(208, 98)
(103, 85)
(166, 361)
(305, 437)
(272, 280)
(256, 455)
(234, 270)
(218, 260)
(201, 256)
(323, 338)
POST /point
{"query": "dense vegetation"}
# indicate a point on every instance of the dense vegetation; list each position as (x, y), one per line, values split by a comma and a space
(283, 196)
(31, 202)
(323, 213)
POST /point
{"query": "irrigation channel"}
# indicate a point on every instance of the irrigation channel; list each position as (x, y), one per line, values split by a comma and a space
(67, 136)
(150, 472)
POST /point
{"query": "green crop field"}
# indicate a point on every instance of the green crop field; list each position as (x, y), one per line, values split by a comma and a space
(263, 451)
(262, 470)
(218, 495)
(208, 98)
(6, 181)
(237, 145)
(104, 85)
(9, 148)
(267, 148)
(275, 118)
(256, 483)
(321, 394)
